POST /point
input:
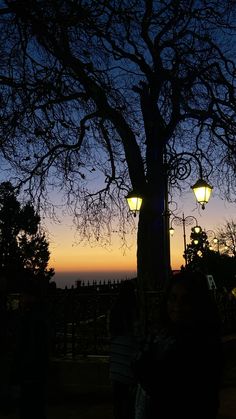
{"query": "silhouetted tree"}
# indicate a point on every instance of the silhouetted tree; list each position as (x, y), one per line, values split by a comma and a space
(201, 256)
(99, 96)
(227, 235)
(198, 246)
(24, 249)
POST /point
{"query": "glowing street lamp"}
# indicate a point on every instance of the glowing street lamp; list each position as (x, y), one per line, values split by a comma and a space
(214, 239)
(221, 244)
(184, 221)
(202, 191)
(171, 230)
(197, 229)
(134, 200)
(175, 167)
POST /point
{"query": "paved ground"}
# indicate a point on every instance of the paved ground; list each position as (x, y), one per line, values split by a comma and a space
(91, 400)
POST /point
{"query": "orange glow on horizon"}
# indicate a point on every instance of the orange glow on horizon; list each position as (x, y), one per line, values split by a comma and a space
(92, 259)
(67, 257)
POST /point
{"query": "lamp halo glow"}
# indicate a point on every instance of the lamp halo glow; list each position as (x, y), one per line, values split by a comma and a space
(134, 200)
(202, 191)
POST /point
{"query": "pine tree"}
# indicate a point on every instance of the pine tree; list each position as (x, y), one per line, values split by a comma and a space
(24, 249)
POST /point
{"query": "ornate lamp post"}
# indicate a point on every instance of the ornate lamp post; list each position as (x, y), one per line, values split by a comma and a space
(184, 221)
(179, 168)
(176, 167)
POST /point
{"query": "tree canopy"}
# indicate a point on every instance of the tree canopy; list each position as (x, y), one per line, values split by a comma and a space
(24, 253)
(227, 235)
(211, 257)
(98, 97)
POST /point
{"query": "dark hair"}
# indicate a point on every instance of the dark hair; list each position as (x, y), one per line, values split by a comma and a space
(202, 300)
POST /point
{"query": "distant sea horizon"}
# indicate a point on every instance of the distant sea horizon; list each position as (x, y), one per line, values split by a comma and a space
(68, 279)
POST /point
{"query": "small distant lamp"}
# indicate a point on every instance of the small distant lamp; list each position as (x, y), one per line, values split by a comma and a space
(202, 191)
(171, 230)
(195, 241)
(197, 229)
(134, 200)
(215, 240)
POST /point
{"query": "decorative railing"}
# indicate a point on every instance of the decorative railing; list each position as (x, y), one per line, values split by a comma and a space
(80, 322)
(79, 319)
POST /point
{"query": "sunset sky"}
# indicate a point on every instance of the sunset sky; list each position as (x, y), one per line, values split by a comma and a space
(75, 261)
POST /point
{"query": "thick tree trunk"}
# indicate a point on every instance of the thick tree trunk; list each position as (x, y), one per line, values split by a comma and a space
(153, 231)
(153, 260)
(153, 237)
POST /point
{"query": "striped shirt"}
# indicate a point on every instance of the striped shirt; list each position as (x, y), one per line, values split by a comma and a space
(123, 353)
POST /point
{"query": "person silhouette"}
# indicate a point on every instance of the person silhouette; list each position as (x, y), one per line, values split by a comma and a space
(180, 369)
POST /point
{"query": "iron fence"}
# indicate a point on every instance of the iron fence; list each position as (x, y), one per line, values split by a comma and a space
(79, 319)
(80, 322)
